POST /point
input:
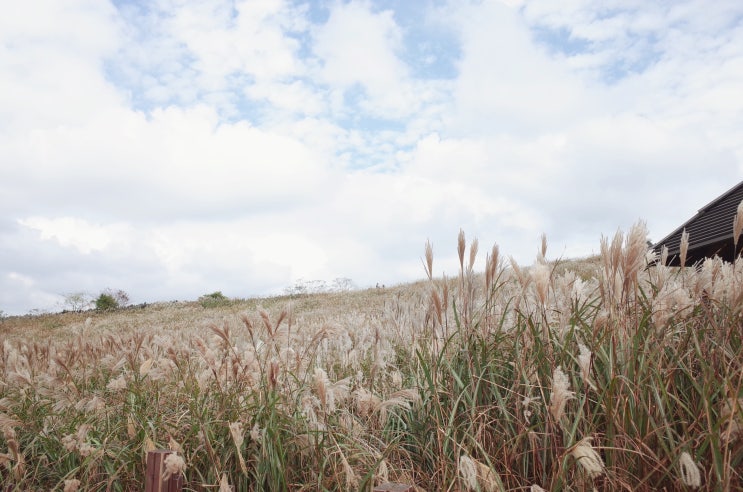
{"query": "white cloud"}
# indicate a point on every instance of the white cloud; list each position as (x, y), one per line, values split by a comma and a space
(76, 233)
(293, 97)
(209, 51)
(358, 48)
(50, 70)
(585, 151)
(507, 84)
(245, 38)
(174, 163)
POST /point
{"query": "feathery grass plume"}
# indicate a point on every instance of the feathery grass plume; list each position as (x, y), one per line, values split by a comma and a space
(224, 484)
(461, 245)
(255, 433)
(488, 480)
(584, 361)
(238, 437)
(131, 429)
(478, 476)
(587, 457)
(69, 442)
(474, 247)
(396, 379)
(273, 375)
(266, 322)
(352, 481)
(174, 445)
(428, 265)
(540, 273)
(15, 454)
(611, 258)
(71, 485)
(366, 402)
(222, 333)
(737, 225)
(633, 258)
(174, 465)
(468, 472)
(145, 367)
(117, 384)
(543, 250)
(684, 247)
(732, 420)
(437, 309)
(321, 383)
(560, 393)
(536, 488)
(492, 264)
(522, 277)
(400, 399)
(382, 475)
(148, 445)
(526, 403)
(248, 324)
(284, 314)
(689, 471)
(8, 422)
(339, 392)
(87, 449)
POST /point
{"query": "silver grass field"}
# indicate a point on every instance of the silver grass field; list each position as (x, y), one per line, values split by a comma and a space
(609, 373)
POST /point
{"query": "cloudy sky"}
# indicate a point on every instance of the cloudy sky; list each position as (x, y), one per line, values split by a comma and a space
(171, 148)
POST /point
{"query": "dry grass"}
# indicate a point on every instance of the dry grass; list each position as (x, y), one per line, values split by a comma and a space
(598, 373)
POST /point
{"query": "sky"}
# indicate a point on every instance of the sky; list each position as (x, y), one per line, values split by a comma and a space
(173, 148)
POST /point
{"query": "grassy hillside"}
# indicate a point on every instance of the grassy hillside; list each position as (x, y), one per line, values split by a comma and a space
(606, 373)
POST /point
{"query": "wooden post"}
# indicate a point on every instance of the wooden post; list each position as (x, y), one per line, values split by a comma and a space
(153, 479)
(394, 487)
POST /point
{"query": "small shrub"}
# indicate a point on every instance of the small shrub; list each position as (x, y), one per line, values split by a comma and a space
(111, 299)
(213, 300)
(106, 302)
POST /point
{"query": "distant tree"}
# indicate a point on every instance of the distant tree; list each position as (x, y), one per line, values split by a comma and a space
(106, 302)
(77, 301)
(122, 298)
(297, 289)
(213, 300)
(343, 284)
(111, 299)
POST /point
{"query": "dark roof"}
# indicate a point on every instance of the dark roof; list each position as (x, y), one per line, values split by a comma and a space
(710, 230)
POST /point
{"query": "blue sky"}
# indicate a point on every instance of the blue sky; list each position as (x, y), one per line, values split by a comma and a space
(172, 148)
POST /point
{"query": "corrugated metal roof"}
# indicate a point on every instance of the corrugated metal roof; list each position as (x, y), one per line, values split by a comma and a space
(712, 226)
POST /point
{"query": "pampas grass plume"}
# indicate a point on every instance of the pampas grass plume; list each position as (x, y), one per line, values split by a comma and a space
(684, 247)
(71, 485)
(738, 224)
(689, 471)
(468, 472)
(174, 465)
(587, 457)
(224, 484)
(560, 393)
